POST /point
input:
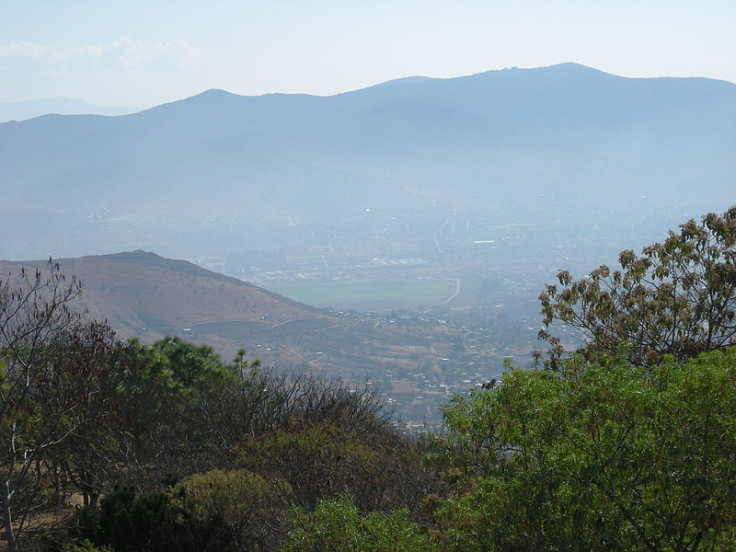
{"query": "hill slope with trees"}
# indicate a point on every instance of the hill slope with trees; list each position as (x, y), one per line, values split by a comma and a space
(149, 297)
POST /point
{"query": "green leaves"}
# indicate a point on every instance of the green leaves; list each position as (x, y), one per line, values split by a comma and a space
(599, 456)
(337, 524)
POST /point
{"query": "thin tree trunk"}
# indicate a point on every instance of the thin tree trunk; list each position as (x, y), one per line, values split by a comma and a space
(9, 533)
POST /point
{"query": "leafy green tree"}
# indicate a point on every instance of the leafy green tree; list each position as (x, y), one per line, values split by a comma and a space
(337, 524)
(677, 298)
(598, 456)
(188, 365)
(179, 400)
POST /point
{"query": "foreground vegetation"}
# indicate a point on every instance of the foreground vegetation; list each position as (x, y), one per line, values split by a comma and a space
(629, 444)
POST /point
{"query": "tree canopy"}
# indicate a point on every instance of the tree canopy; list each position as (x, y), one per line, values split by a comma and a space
(677, 298)
(596, 457)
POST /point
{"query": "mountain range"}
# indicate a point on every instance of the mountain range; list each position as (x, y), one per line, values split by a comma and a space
(563, 146)
(29, 109)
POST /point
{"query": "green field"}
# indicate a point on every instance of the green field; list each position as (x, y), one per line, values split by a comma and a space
(368, 295)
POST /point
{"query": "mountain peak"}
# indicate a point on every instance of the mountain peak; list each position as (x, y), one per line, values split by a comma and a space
(215, 93)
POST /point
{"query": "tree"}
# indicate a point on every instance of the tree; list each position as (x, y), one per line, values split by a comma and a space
(100, 372)
(130, 521)
(35, 307)
(333, 439)
(170, 408)
(596, 456)
(223, 511)
(677, 298)
(236, 507)
(320, 460)
(179, 385)
(189, 365)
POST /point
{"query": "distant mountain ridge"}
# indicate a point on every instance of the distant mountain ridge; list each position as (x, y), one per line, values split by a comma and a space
(501, 145)
(28, 109)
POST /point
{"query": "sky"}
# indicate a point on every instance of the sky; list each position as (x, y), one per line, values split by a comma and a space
(143, 53)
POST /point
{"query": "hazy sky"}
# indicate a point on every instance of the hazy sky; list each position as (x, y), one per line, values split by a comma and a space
(141, 53)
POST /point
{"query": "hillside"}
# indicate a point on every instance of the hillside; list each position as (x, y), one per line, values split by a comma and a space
(147, 296)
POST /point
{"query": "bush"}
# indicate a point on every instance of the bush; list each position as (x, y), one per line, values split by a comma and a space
(240, 508)
(337, 524)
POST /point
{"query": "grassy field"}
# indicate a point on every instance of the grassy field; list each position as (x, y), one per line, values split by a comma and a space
(368, 295)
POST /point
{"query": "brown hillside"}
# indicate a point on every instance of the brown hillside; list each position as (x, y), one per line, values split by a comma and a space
(147, 296)
(144, 295)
